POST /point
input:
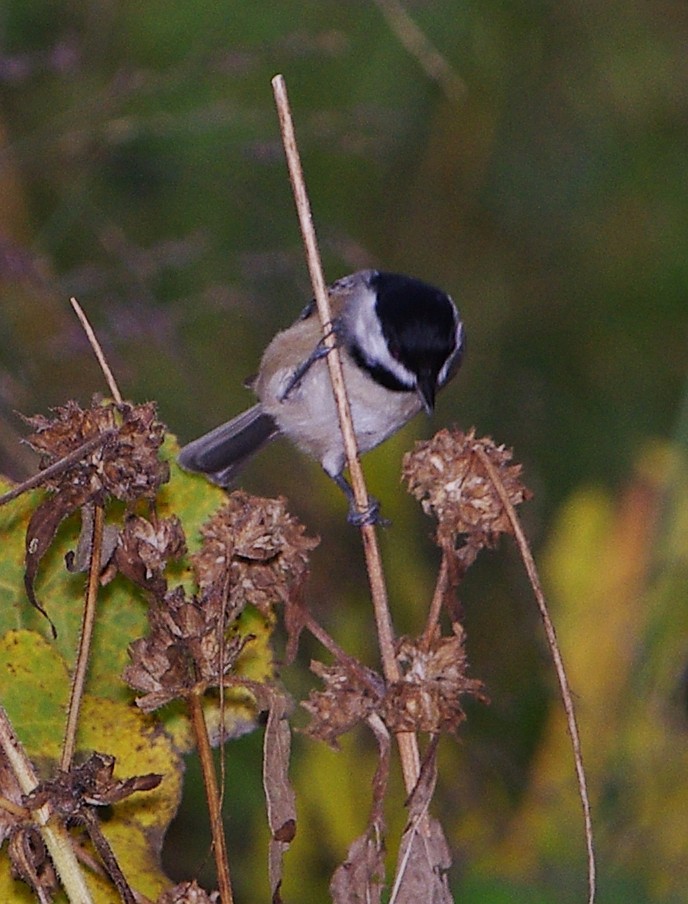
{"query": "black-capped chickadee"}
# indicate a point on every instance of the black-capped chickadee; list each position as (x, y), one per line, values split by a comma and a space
(400, 341)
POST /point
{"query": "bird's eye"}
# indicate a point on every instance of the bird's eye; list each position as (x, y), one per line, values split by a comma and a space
(395, 350)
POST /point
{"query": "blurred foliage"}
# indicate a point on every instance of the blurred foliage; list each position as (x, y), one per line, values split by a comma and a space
(141, 170)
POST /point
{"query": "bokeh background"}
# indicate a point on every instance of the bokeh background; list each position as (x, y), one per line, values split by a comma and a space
(531, 157)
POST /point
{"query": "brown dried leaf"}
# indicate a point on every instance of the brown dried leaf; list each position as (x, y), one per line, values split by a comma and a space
(40, 533)
(422, 865)
(424, 857)
(361, 878)
(279, 794)
(80, 560)
(447, 476)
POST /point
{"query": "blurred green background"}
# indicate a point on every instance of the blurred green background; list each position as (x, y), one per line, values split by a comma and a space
(539, 173)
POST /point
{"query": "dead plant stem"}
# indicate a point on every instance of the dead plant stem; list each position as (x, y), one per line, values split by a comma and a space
(85, 638)
(433, 621)
(408, 745)
(98, 351)
(205, 755)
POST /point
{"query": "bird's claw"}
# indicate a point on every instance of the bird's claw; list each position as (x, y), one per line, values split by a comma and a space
(369, 515)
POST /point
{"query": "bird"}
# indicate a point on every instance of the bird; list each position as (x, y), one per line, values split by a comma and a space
(400, 341)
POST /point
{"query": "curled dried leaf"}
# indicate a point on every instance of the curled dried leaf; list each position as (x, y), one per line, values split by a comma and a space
(279, 794)
(30, 862)
(447, 476)
(255, 550)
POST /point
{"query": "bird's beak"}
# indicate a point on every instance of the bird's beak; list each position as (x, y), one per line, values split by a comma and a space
(427, 387)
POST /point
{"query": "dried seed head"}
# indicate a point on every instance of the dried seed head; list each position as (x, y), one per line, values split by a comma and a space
(447, 475)
(255, 551)
(187, 893)
(182, 653)
(428, 697)
(346, 701)
(90, 784)
(144, 549)
(125, 465)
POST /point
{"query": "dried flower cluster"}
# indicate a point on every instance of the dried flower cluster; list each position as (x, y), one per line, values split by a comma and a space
(255, 551)
(186, 651)
(91, 784)
(427, 698)
(74, 796)
(144, 548)
(188, 893)
(106, 450)
(125, 465)
(448, 476)
(347, 700)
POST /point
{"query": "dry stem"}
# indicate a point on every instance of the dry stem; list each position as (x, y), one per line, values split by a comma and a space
(408, 745)
(58, 467)
(432, 624)
(566, 695)
(205, 756)
(85, 637)
(98, 351)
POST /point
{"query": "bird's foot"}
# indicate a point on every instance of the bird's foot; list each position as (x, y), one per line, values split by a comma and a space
(369, 515)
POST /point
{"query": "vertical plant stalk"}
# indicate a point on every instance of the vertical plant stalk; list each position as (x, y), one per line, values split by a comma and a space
(53, 833)
(97, 350)
(407, 741)
(205, 756)
(441, 586)
(88, 621)
(566, 695)
(85, 637)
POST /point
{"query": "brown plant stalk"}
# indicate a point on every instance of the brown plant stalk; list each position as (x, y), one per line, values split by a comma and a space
(205, 756)
(96, 544)
(407, 741)
(85, 637)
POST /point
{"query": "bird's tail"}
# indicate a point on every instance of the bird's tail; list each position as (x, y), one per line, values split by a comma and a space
(221, 453)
